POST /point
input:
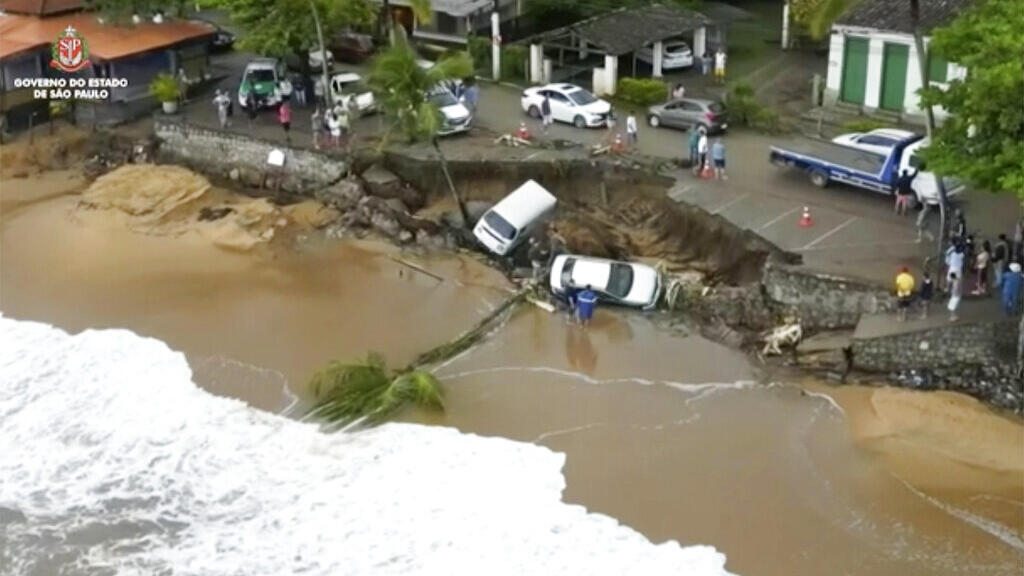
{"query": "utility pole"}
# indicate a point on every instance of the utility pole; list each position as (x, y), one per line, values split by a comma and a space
(785, 25)
(495, 41)
(328, 97)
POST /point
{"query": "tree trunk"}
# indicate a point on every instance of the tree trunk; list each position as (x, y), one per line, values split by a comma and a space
(385, 19)
(451, 184)
(323, 55)
(922, 67)
(1020, 347)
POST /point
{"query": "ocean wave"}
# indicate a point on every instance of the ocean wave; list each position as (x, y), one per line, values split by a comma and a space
(113, 461)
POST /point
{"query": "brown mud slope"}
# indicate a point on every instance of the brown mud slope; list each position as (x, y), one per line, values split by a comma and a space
(62, 149)
(609, 211)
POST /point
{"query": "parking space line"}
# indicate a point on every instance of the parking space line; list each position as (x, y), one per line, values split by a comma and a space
(862, 245)
(730, 203)
(778, 218)
(829, 233)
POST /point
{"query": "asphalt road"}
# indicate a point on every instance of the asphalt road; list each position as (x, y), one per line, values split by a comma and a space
(854, 232)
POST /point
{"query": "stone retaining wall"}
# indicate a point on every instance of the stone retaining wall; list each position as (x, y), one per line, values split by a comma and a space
(823, 301)
(224, 155)
(947, 346)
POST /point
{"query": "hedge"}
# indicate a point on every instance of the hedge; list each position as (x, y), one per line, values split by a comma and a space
(641, 91)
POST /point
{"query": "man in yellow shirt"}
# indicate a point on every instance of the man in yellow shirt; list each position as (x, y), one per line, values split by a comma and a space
(904, 292)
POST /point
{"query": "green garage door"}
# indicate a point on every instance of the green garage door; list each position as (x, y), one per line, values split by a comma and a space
(894, 76)
(855, 70)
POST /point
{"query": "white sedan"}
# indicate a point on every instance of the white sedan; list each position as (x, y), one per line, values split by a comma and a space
(626, 283)
(348, 85)
(880, 141)
(569, 103)
(674, 55)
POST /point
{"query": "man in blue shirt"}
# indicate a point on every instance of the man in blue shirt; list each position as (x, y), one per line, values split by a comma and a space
(586, 302)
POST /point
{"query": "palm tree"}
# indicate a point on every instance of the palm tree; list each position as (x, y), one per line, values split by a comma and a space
(368, 391)
(401, 87)
(827, 12)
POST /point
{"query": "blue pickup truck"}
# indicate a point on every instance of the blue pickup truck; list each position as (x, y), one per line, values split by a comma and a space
(825, 162)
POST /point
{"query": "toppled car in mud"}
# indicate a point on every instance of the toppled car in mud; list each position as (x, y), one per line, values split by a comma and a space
(625, 283)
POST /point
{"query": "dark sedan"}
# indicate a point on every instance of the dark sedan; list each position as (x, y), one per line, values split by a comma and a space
(709, 115)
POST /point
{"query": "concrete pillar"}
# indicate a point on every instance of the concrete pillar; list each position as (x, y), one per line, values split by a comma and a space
(611, 73)
(659, 49)
(700, 42)
(785, 25)
(911, 100)
(583, 49)
(495, 46)
(834, 75)
(547, 71)
(873, 89)
(536, 63)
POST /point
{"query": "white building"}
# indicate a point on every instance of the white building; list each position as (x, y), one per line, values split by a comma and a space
(872, 62)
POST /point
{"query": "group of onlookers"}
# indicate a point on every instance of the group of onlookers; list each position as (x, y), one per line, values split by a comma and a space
(991, 266)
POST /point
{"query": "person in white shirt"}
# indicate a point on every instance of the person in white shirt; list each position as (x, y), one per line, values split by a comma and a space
(720, 65)
(631, 135)
(702, 151)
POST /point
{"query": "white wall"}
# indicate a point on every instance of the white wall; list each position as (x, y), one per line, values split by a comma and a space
(876, 49)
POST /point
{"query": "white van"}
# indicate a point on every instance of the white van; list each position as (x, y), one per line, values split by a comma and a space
(925, 185)
(505, 225)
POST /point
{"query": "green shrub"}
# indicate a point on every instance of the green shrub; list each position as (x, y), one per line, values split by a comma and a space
(513, 62)
(863, 125)
(765, 119)
(164, 88)
(746, 110)
(479, 50)
(642, 91)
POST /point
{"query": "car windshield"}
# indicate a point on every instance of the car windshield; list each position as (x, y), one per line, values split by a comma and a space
(582, 97)
(620, 280)
(260, 75)
(443, 98)
(500, 225)
(677, 48)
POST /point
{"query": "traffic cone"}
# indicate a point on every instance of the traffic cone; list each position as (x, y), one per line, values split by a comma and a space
(523, 133)
(617, 146)
(805, 218)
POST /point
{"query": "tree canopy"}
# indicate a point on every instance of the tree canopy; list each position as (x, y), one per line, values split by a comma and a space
(982, 140)
(282, 27)
(402, 87)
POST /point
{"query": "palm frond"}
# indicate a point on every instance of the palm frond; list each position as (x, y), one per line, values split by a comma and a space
(457, 66)
(422, 11)
(825, 14)
(416, 387)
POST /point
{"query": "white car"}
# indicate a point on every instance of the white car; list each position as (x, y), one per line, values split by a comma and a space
(569, 103)
(348, 85)
(455, 117)
(925, 184)
(316, 59)
(626, 283)
(879, 141)
(674, 55)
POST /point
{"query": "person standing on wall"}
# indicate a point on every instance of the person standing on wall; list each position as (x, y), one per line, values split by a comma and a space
(1012, 285)
(702, 151)
(694, 141)
(904, 293)
(1001, 259)
(926, 294)
(955, 291)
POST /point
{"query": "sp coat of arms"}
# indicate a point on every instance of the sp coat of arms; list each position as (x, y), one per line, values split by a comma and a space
(69, 52)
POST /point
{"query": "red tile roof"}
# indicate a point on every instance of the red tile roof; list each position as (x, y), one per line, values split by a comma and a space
(40, 7)
(105, 41)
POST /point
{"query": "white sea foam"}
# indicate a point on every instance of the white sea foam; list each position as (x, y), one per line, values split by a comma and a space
(110, 457)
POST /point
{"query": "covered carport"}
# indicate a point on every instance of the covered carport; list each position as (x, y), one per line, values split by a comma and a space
(613, 35)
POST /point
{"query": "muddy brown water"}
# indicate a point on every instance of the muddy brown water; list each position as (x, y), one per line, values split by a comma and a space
(667, 432)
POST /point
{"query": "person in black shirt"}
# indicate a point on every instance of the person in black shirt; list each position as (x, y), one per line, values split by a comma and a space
(926, 294)
(904, 191)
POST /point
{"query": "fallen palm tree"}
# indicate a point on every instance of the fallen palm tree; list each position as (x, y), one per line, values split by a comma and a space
(368, 392)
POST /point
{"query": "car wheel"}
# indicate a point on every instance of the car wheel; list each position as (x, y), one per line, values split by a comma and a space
(819, 178)
(534, 112)
(654, 121)
(579, 122)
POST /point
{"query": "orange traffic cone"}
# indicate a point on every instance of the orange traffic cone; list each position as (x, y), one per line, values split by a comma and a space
(523, 133)
(805, 218)
(706, 172)
(617, 146)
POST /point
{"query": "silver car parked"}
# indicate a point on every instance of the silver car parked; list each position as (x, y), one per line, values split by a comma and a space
(686, 112)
